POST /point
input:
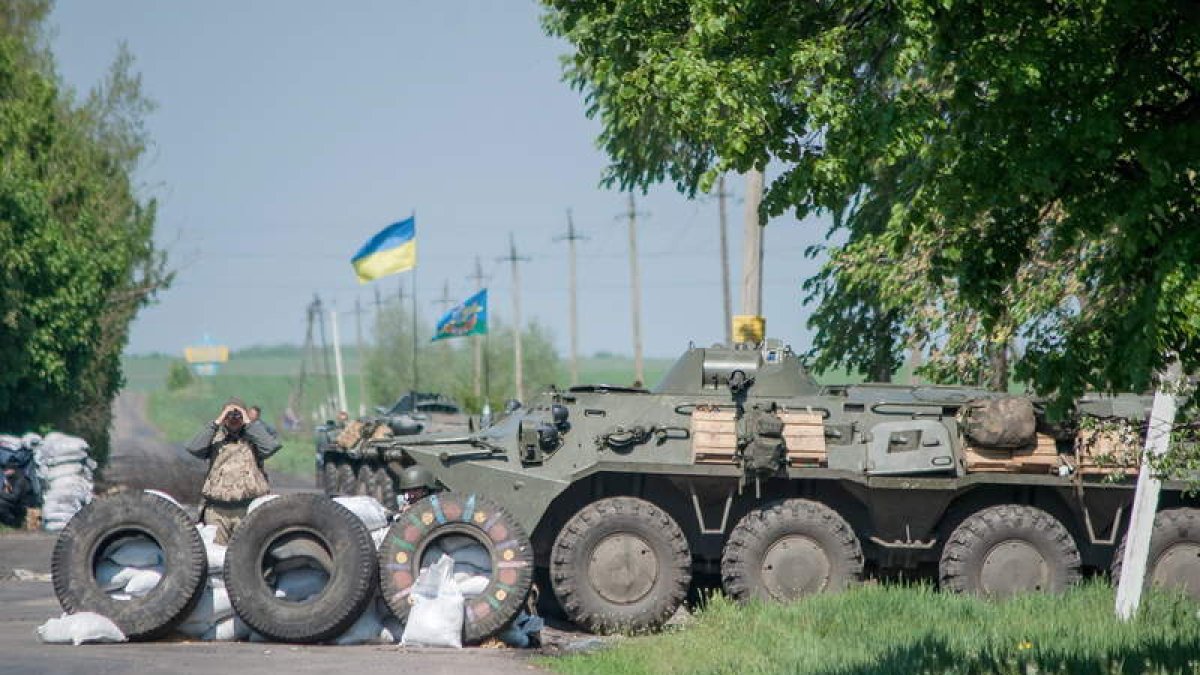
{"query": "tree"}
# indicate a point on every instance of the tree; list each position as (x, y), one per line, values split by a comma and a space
(79, 258)
(447, 367)
(1022, 174)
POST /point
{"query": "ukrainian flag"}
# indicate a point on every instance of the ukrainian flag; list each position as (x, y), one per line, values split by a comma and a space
(393, 250)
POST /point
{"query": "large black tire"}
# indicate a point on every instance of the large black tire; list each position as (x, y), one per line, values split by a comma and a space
(107, 520)
(1174, 560)
(1009, 549)
(481, 519)
(310, 526)
(788, 550)
(620, 564)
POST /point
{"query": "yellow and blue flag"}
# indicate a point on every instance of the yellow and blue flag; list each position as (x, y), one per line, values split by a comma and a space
(469, 318)
(393, 250)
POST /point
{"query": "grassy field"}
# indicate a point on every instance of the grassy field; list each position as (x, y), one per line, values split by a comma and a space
(265, 376)
(914, 629)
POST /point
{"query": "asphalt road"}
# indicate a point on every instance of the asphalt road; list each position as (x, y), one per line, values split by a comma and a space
(25, 605)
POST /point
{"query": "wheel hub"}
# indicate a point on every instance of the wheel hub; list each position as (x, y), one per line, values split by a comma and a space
(1013, 566)
(623, 568)
(793, 566)
(1178, 568)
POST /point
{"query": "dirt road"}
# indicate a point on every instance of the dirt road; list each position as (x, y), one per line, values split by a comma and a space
(142, 458)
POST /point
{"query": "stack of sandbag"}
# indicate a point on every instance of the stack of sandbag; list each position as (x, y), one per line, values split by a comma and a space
(213, 617)
(370, 512)
(65, 470)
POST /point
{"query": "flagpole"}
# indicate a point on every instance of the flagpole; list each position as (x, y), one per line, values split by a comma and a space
(416, 378)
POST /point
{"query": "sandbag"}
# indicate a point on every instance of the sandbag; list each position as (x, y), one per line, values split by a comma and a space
(142, 582)
(300, 584)
(368, 510)
(227, 630)
(368, 628)
(436, 617)
(1002, 422)
(136, 552)
(80, 628)
(259, 501)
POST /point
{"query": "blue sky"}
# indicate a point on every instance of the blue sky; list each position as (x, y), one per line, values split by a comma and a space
(288, 133)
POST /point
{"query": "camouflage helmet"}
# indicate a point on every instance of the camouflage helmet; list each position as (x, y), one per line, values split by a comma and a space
(417, 477)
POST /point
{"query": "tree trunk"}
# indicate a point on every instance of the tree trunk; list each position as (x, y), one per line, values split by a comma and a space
(998, 366)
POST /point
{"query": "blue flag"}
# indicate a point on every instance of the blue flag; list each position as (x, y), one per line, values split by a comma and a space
(392, 250)
(469, 318)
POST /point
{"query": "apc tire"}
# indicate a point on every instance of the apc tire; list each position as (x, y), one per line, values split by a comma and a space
(345, 477)
(1174, 560)
(788, 550)
(383, 489)
(317, 523)
(463, 514)
(620, 565)
(364, 480)
(109, 519)
(329, 476)
(1009, 549)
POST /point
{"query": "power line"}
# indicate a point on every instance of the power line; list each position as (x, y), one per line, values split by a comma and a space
(571, 237)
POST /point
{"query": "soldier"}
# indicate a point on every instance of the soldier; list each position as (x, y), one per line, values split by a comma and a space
(416, 483)
(235, 446)
(16, 494)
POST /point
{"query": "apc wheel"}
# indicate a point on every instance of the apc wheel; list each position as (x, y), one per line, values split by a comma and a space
(329, 477)
(792, 549)
(106, 521)
(383, 489)
(345, 477)
(1174, 560)
(620, 564)
(449, 513)
(1009, 549)
(294, 531)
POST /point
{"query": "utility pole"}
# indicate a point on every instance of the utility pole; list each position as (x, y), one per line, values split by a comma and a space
(326, 371)
(337, 360)
(477, 341)
(635, 282)
(571, 237)
(752, 326)
(726, 293)
(362, 361)
(518, 366)
(445, 300)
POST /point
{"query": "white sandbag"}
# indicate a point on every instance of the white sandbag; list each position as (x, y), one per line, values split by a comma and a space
(366, 629)
(451, 543)
(122, 578)
(213, 607)
(136, 552)
(259, 501)
(31, 440)
(227, 630)
(80, 628)
(472, 559)
(63, 457)
(300, 584)
(67, 470)
(368, 510)
(215, 551)
(143, 582)
(436, 617)
(471, 584)
(106, 576)
(160, 493)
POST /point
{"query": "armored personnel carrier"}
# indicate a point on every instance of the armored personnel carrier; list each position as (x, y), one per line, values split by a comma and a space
(739, 465)
(347, 465)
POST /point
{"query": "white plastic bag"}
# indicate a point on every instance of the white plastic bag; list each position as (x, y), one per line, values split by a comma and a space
(436, 617)
(143, 582)
(79, 629)
(137, 552)
(368, 510)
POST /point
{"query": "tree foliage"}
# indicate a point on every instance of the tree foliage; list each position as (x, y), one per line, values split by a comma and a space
(448, 366)
(78, 257)
(1006, 175)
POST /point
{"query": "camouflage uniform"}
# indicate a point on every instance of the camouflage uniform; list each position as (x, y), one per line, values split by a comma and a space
(235, 474)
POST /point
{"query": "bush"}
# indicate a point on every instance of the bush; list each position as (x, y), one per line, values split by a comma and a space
(179, 376)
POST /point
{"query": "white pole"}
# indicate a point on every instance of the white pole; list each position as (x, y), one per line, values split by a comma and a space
(1145, 498)
(337, 360)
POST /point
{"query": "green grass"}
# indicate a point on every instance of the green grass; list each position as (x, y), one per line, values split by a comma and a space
(914, 629)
